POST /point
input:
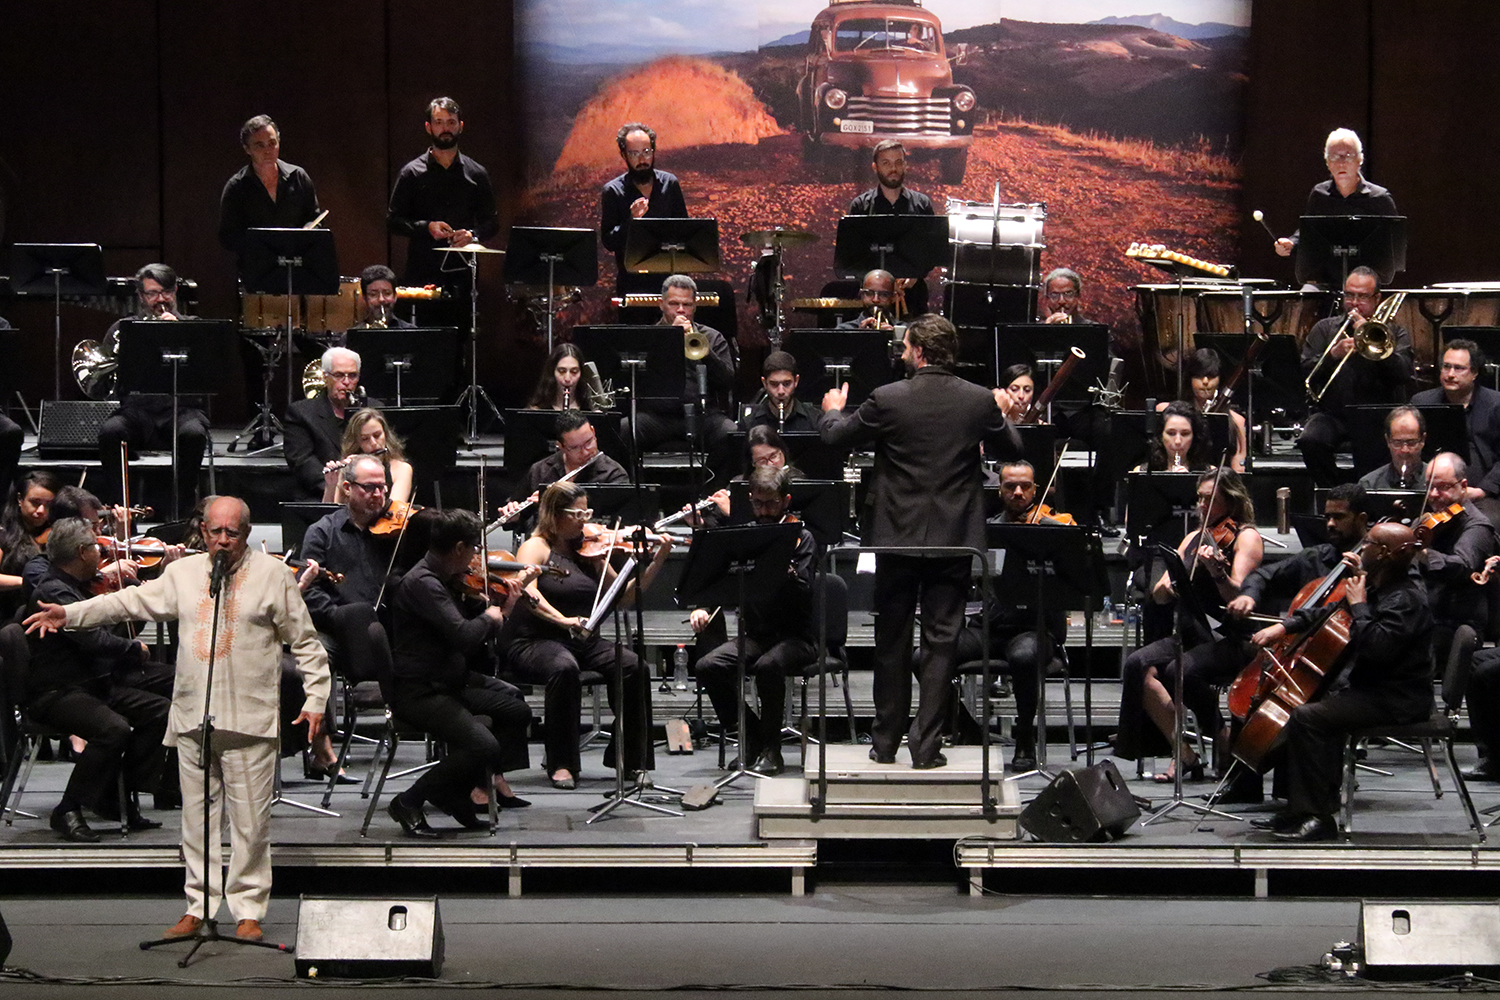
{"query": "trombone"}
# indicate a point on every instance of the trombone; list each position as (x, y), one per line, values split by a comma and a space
(1375, 341)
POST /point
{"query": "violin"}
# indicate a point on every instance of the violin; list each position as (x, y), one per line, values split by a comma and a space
(504, 576)
(599, 541)
(1429, 522)
(393, 519)
(1043, 514)
(147, 552)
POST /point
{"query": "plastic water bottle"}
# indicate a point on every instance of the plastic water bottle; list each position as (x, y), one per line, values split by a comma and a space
(1107, 613)
(679, 668)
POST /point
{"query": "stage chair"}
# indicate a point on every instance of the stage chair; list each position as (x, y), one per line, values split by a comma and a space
(835, 605)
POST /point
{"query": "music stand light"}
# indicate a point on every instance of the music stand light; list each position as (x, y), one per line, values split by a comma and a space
(406, 364)
(536, 255)
(908, 246)
(671, 246)
(1330, 246)
(57, 269)
(279, 261)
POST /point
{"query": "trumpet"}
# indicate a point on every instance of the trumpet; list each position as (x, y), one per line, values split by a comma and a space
(1374, 341)
(694, 344)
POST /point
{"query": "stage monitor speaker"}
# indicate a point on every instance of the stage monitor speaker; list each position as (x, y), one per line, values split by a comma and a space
(69, 428)
(1091, 803)
(1428, 939)
(346, 938)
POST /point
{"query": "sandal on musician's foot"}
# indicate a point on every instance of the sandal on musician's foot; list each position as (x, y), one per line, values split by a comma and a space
(1192, 770)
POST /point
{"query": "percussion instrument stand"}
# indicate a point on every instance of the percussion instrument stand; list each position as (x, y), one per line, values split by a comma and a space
(265, 426)
(474, 392)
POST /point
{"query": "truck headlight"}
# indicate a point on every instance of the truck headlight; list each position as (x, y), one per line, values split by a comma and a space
(964, 101)
(834, 98)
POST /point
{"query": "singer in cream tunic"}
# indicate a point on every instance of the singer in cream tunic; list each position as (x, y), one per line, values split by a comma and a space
(262, 611)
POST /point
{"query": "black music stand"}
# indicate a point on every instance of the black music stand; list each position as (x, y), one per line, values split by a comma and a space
(1405, 506)
(671, 246)
(402, 363)
(1066, 564)
(1330, 246)
(552, 256)
(829, 358)
(278, 261)
(529, 436)
(1045, 346)
(431, 435)
(1158, 499)
(908, 246)
(297, 517)
(1447, 430)
(821, 505)
(182, 357)
(649, 357)
(58, 269)
(719, 568)
(632, 503)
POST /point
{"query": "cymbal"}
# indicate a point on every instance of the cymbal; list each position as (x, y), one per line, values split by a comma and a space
(469, 248)
(768, 239)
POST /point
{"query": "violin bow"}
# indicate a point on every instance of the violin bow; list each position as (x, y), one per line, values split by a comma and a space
(390, 566)
(1052, 481)
(124, 522)
(603, 569)
(484, 535)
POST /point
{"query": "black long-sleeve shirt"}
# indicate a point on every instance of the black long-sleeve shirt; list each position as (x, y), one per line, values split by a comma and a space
(1391, 647)
(341, 546)
(72, 657)
(1367, 199)
(1361, 380)
(1459, 548)
(434, 634)
(246, 205)
(908, 202)
(801, 418)
(787, 611)
(426, 191)
(665, 201)
(1282, 579)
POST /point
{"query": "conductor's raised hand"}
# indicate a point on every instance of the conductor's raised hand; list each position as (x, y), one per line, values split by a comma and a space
(51, 618)
(836, 398)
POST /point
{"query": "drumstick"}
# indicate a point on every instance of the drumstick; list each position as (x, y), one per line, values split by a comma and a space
(314, 223)
(1260, 217)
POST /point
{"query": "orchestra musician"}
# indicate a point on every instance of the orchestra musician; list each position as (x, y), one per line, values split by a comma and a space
(1361, 380)
(890, 195)
(1346, 192)
(767, 450)
(1013, 636)
(562, 385)
(378, 292)
(143, 420)
(640, 192)
(551, 645)
(267, 192)
(262, 610)
(23, 523)
(1405, 437)
(781, 410)
(1204, 374)
(664, 420)
(80, 682)
(441, 198)
(369, 433)
(443, 680)
(1017, 390)
(1183, 444)
(779, 632)
(1454, 549)
(1220, 552)
(1458, 376)
(315, 427)
(927, 431)
(577, 458)
(1388, 680)
(1062, 300)
(878, 293)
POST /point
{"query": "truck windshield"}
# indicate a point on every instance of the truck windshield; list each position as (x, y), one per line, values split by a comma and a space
(867, 34)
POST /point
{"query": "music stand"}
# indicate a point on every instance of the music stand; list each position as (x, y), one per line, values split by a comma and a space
(1046, 346)
(633, 503)
(473, 393)
(649, 356)
(1403, 505)
(821, 506)
(805, 451)
(431, 435)
(403, 362)
(908, 246)
(1155, 499)
(1447, 430)
(719, 566)
(182, 357)
(1330, 246)
(671, 246)
(529, 435)
(535, 255)
(59, 269)
(297, 517)
(1039, 447)
(829, 358)
(1067, 565)
(279, 261)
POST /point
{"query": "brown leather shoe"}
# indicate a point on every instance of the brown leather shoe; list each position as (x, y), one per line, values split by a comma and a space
(186, 927)
(249, 930)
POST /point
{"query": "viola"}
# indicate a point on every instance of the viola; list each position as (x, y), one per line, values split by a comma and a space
(1430, 521)
(1043, 514)
(393, 519)
(504, 576)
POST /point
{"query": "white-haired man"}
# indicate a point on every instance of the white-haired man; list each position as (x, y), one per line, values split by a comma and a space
(1346, 192)
(315, 427)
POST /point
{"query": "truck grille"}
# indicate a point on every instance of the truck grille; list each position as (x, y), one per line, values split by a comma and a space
(904, 115)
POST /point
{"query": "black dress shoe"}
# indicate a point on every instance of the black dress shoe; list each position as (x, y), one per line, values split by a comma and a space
(511, 802)
(1276, 821)
(1021, 763)
(136, 823)
(936, 760)
(313, 771)
(769, 763)
(1481, 773)
(1311, 828)
(413, 821)
(73, 827)
(882, 758)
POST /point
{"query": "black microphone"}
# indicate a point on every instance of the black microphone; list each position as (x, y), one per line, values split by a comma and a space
(690, 422)
(217, 574)
(701, 371)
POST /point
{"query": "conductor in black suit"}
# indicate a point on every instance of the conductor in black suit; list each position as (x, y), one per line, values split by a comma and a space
(927, 432)
(315, 427)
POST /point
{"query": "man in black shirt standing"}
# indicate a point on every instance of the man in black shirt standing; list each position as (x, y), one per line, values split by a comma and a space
(641, 191)
(1388, 680)
(442, 198)
(1346, 192)
(267, 192)
(890, 195)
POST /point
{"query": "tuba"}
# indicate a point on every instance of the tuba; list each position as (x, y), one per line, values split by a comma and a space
(1375, 341)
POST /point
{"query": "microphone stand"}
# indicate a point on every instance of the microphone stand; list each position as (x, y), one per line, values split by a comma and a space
(208, 930)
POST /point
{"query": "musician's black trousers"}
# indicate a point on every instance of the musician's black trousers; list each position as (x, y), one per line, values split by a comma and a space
(942, 586)
(654, 429)
(769, 662)
(1484, 706)
(124, 727)
(1314, 746)
(150, 427)
(483, 725)
(558, 664)
(1205, 667)
(1320, 440)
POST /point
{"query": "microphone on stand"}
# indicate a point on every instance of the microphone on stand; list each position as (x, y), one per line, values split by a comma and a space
(218, 573)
